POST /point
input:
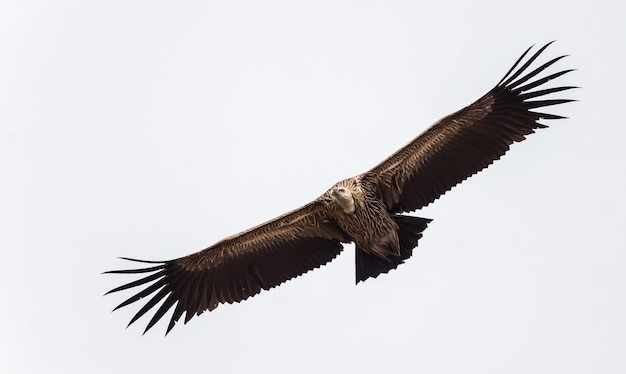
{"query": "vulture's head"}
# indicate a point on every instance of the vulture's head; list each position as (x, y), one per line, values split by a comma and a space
(343, 196)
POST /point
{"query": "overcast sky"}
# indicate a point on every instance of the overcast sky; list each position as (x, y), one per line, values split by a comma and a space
(152, 129)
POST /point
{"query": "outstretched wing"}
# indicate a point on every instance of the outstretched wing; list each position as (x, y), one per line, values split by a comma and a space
(465, 142)
(237, 267)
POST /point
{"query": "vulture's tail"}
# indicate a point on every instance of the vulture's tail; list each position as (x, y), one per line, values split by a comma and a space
(410, 231)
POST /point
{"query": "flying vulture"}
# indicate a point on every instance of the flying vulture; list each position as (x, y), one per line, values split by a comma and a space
(367, 209)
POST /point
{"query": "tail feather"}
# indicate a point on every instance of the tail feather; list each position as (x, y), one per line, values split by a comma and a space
(410, 231)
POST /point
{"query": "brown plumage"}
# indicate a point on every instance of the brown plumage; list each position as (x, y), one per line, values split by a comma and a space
(364, 209)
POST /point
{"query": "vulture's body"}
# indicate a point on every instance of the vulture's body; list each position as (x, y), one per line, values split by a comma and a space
(366, 209)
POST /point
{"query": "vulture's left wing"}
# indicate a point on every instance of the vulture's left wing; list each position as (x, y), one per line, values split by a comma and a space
(465, 142)
(237, 267)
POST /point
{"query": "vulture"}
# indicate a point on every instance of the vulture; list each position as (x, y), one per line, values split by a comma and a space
(368, 210)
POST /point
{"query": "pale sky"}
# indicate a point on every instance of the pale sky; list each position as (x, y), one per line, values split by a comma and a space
(153, 129)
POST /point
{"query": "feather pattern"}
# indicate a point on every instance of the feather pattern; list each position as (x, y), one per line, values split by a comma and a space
(236, 268)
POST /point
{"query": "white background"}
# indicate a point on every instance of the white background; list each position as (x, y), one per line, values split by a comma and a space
(152, 129)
